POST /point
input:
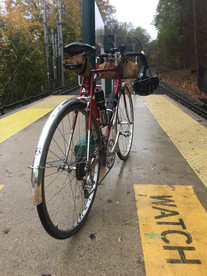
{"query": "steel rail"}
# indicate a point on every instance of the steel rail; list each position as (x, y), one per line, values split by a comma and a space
(57, 91)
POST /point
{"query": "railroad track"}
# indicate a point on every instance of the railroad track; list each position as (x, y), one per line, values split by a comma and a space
(58, 91)
(201, 111)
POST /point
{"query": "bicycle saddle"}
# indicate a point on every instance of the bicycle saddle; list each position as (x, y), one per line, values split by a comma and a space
(78, 48)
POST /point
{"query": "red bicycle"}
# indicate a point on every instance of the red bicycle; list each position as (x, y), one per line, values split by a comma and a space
(81, 135)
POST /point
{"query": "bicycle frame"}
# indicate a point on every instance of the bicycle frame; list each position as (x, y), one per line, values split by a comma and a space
(82, 135)
(88, 84)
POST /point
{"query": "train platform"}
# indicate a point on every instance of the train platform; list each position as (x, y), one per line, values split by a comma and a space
(149, 215)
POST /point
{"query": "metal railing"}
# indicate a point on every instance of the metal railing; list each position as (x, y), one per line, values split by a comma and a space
(56, 91)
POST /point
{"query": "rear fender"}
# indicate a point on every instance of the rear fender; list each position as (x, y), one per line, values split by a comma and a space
(40, 152)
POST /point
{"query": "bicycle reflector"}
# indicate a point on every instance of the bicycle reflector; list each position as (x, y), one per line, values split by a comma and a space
(145, 86)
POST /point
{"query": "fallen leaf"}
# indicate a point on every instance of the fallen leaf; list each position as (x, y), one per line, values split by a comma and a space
(171, 187)
(130, 223)
(153, 236)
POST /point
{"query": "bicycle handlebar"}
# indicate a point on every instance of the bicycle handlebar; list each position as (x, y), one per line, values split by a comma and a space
(138, 54)
(130, 54)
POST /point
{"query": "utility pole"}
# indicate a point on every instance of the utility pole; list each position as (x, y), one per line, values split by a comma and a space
(61, 43)
(46, 45)
(195, 34)
(54, 58)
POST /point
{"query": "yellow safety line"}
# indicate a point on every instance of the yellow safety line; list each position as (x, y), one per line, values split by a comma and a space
(1, 186)
(173, 226)
(51, 102)
(19, 120)
(187, 134)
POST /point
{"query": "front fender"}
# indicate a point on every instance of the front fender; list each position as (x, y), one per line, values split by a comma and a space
(41, 151)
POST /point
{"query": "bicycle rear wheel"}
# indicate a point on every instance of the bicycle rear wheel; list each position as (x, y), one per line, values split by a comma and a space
(124, 123)
(68, 181)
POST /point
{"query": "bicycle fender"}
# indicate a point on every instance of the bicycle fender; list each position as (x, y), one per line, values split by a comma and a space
(39, 157)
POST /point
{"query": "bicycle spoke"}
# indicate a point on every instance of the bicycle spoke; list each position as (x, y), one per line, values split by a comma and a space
(67, 199)
(124, 124)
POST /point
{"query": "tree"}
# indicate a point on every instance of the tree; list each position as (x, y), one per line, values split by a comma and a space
(143, 37)
(194, 18)
(106, 9)
(182, 32)
(123, 31)
(22, 44)
(168, 23)
(21, 57)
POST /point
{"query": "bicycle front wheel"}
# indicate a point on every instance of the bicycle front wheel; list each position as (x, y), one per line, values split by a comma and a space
(69, 181)
(124, 123)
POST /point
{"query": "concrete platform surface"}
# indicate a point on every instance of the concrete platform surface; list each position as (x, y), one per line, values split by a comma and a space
(148, 218)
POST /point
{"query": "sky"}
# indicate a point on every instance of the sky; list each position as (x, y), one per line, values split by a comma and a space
(138, 12)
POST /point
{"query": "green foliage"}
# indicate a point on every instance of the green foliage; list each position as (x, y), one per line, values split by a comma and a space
(143, 37)
(126, 31)
(22, 54)
(168, 23)
(22, 68)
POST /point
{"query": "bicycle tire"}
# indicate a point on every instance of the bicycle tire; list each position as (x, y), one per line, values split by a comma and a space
(124, 123)
(64, 206)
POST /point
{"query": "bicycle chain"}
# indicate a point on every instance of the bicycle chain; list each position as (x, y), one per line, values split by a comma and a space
(100, 181)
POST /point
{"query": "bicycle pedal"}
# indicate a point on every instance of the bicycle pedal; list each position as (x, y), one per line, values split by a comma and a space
(125, 133)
